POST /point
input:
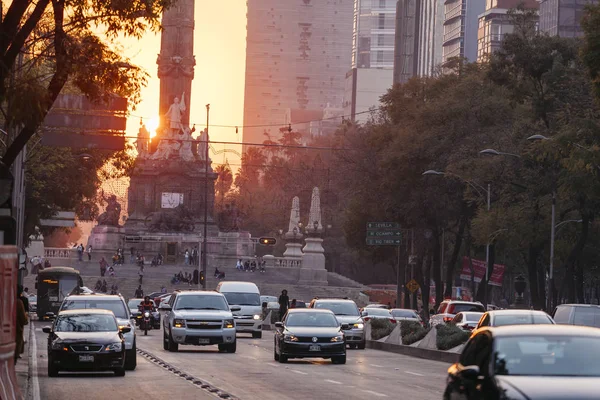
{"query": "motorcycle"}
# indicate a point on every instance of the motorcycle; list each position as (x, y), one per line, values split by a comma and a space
(146, 322)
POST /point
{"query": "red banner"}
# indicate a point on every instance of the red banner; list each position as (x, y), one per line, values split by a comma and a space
(479, 269)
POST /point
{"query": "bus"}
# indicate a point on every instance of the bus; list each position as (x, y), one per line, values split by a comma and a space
(53, 285)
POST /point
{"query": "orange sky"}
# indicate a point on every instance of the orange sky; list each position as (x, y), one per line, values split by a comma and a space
(220, 50)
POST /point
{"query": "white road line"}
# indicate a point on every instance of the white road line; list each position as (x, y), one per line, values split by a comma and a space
(376, 394)
(413, 373)
(334, 382)
(376, 366)
(249, 357)
(34, 379)
(298, 372)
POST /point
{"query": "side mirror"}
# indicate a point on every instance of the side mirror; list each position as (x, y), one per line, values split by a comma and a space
(47, 329)
(164, 307)
(235, 308)
(470, 372)
(278, 324)
(364, 313)
(125, 329)
(345, 327)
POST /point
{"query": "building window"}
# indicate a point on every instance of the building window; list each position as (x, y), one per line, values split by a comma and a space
(381, 21)
(380, 56)
(380, 40)
(381, 3)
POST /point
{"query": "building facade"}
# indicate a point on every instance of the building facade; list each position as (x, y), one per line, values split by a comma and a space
(297, 56)
(460, 28)
(495, 23)
(419, 38)
(562, 17)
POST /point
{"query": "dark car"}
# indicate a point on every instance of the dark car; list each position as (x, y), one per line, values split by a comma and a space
(310, 333)
(514, 317)
(578, 314)
(135, 312)
(86, 340)
(527, 362)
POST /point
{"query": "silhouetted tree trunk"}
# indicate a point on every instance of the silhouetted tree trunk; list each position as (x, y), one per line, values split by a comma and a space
(436, 269)
(451, 266)
(490, 268)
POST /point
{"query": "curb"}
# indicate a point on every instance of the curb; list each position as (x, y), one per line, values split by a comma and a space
(428, 354)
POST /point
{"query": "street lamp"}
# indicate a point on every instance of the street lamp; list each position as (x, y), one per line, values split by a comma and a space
(493, 152)
(205, 231)
(487, 246)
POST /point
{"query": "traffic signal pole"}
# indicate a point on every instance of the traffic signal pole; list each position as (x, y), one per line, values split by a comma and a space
(204, 236)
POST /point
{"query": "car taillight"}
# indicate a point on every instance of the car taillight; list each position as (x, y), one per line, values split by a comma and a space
(447, 319)
(367, 318)
(392, 320)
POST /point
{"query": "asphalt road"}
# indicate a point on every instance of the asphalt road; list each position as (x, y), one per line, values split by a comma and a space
(250, 374)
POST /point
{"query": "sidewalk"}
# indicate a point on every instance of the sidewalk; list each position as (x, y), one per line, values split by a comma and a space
(22, 369)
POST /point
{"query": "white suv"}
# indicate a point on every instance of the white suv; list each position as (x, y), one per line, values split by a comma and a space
(198, 318)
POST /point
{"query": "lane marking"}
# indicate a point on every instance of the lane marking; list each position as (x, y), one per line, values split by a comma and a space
(376, 366)
(298, 372)
(413, 373)
(334, 382)
(376, 394)
(250, 358)
(34, 379)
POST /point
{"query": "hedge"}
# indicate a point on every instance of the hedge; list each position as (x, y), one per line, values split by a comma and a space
(381, 327)
(412, 331)
(449, 336)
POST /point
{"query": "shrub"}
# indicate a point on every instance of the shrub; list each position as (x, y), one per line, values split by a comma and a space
(450, 336)
(412, 331)
(381, 328)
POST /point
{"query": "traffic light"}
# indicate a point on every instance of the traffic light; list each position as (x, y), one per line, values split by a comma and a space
(267, 241)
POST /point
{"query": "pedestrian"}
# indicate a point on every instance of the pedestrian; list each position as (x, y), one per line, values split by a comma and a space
(25, 300)
(195, 277)
(195, 255)
(103, 265)
(22, 320)
(141, 273)
(187, 257)
(111, 271)
(79, 249)
(139, 293)
(238, 265)
(163, 289)
(89, 252)
(284, 304)
(104, 286)
(132, 255)
(47, 264)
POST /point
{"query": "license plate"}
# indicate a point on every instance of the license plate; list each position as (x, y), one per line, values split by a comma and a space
(203, 341)
(86, 358)
(314, 347)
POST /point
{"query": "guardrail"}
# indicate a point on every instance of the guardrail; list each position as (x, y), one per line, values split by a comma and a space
(57, 252)
(282, 262)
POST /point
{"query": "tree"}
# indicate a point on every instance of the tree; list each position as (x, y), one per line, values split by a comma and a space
(63, 41)
(591, 44)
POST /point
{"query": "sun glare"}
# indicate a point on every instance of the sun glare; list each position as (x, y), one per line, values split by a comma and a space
(152, 126)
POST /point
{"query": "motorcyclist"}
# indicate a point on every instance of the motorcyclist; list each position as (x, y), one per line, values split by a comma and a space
(147, 305)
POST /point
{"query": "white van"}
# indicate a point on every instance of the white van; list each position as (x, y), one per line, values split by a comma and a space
(247, 296)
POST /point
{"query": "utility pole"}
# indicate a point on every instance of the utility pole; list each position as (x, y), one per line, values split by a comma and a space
(550, 302)
(204, 235)
(398, 281)
(487, 253)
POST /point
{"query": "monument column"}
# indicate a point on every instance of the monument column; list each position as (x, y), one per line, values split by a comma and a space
(176, 59)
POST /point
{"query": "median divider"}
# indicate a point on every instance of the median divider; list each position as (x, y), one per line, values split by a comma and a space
(417, 352)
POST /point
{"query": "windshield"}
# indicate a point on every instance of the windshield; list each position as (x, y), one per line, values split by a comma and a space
(134, 303)
(472, 317)
(321, 320)
(523, 319)
(59, 287)
(86, 323)
(116, 306)
(378, 312)
(462, 307)
(341, 308)
(547, 356)
(242, 299)
(201, 302)
(404, 314)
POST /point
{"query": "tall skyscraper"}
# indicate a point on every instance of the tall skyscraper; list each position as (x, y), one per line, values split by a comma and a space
(419, 38)
(460, 28)
(297, 55)
(371, 74)
(562, 17)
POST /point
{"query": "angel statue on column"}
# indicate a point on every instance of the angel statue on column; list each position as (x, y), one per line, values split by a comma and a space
(173, 116)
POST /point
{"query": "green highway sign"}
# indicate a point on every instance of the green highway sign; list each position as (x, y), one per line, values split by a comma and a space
(382, 225)
(384, 242)
(385, 234)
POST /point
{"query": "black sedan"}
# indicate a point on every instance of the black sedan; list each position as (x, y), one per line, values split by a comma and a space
(310, 333)
(86, 340)
(528, 362)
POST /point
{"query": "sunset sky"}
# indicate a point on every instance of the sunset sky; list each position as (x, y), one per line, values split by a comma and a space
(220, 50)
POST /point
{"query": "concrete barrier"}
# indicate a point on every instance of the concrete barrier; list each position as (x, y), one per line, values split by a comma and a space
(429, 354)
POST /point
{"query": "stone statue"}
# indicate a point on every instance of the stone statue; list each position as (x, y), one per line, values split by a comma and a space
(230, 219)
(142, 142)
(294, 217)
(112, 214)
(315, 212)
(185, 150)
(203, 139)
(178, 219)
(166, 149)
(173, 115)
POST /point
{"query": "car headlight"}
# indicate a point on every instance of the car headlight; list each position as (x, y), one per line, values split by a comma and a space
(290, 338)
(358, 325)
(58, 345)
(339, 338)
(114, 347)
(179, 323)
(256, 316)
(228, 323)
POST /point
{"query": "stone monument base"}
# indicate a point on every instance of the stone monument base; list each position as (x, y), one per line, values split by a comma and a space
(308, 276)
(236, 244)
(293, 250)
(313, 270)
(106, 238)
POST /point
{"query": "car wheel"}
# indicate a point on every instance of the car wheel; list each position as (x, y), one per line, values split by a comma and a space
(228, 348)
(362, 345)
(173, 347)
(165, 341)
(131, 358)
(257, 335)
(339, 360)
(275, 355)
(283, 359)
(120, 372)
(52, 370)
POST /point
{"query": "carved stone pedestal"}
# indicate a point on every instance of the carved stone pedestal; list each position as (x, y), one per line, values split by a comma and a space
(313, 270)
(293, 250)
(106, 238)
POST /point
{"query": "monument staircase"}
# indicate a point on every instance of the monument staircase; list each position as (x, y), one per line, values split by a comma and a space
(271, 282)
